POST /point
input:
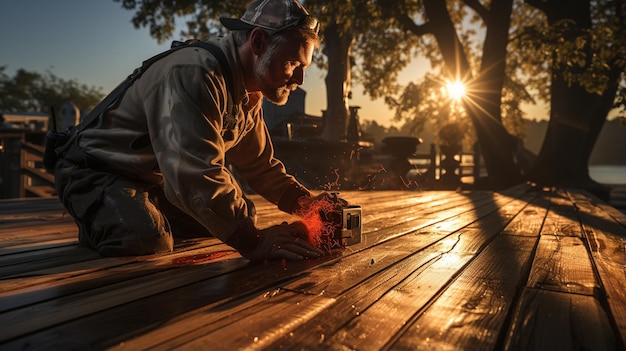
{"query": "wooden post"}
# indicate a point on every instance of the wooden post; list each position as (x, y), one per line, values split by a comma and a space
(70, 115)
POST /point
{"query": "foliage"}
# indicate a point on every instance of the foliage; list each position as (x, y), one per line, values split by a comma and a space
(201, 17)
(35, 92)
(586, 56)
(385, 43)
(363, 19)
(421, 99)
(534, 49)
(451, 137)
(382, 51)
(430, 98)
(527, 70)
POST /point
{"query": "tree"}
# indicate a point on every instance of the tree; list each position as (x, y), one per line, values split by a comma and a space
(431, 27)
(588, 47)
(35, 92)
(500, 69)
(339, 38)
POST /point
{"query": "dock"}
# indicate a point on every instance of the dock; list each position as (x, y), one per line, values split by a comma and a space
(522, 269)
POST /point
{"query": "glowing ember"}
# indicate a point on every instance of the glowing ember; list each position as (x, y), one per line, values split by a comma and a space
(372, 176)
(335, 183)
(318, 219)
(407, 183)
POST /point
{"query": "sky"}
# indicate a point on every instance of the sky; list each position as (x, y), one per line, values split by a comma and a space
(95, 43)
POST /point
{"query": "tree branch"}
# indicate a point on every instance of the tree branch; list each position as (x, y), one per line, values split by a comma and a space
(407, 24)
(479, 8)
(543, 5)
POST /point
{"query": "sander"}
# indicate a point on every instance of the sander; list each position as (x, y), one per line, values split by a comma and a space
(347, 226)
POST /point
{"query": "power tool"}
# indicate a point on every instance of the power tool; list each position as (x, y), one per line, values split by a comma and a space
(347, 226)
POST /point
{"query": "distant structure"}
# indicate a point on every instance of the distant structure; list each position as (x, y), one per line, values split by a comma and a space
(28, 121)
(70, 115)
(290, 120)
(20, 132)
(276, 115)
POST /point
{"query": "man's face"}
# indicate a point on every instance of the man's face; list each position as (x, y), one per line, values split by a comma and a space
(280, 68)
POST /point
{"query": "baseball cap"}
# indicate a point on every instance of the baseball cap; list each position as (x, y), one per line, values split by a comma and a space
(274, 16)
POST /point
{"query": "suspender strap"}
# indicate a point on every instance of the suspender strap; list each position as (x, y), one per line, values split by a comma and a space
(112, 100)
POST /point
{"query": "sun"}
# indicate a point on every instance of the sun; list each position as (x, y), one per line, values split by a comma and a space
(456, 90)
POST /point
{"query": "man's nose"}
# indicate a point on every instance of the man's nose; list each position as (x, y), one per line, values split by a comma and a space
(298, 76)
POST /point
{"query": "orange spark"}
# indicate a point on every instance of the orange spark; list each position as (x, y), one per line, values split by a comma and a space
(319, 224)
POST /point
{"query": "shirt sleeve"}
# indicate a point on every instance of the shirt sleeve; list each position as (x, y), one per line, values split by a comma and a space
(253, 158)
(185, 122)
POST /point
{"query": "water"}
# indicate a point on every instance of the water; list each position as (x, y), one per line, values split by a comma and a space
(608, 174)
(615, 177)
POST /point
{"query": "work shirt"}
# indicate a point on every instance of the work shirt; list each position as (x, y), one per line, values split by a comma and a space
(176, 127)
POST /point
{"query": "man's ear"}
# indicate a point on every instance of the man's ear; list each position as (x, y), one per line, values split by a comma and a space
(258, 41)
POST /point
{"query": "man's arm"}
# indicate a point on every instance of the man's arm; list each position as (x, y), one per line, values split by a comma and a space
(185, 121)
(187, 126)
(254, 160)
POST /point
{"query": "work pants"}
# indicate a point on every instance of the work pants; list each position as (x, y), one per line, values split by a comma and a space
(120, 216)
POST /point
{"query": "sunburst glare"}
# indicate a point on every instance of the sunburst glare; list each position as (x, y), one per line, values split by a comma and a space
(456, 90)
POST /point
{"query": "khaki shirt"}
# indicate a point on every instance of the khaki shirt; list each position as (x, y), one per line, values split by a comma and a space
(169, 129)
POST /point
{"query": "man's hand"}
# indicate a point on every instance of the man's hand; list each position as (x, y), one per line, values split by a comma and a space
(288, 241)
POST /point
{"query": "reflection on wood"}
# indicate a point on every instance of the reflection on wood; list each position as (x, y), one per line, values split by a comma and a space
(520, 269)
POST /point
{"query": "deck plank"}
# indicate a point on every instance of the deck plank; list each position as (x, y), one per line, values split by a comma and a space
(232, 280)
(62, 281)
(549, 320)
(563, 264)
(372, 283)
(398, 293)
(261, 328)
(472, 310)
(606, 240)
(531, 219)
(524, 268)
(62, 309)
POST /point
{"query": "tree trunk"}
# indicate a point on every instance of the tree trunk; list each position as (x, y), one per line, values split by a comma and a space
(576, 116)
(484, 92)
(337, 49)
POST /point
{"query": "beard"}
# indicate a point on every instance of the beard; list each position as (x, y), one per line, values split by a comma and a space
(277, 95)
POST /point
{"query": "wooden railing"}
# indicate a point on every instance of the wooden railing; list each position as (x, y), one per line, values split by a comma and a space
(430, 168)
(36, 181)
(426, 170)
(21, 158)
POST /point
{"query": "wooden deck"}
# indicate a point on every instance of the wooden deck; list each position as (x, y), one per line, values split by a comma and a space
(523, 269)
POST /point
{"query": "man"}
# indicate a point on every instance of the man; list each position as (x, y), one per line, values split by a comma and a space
(157, 166)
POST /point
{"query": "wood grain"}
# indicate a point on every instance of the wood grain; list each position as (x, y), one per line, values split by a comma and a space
(525, 268)
(472, 310)
(549, 320)
(563, 264)
(606, 240)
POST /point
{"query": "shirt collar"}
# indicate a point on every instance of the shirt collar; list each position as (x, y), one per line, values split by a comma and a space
(240, 95)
